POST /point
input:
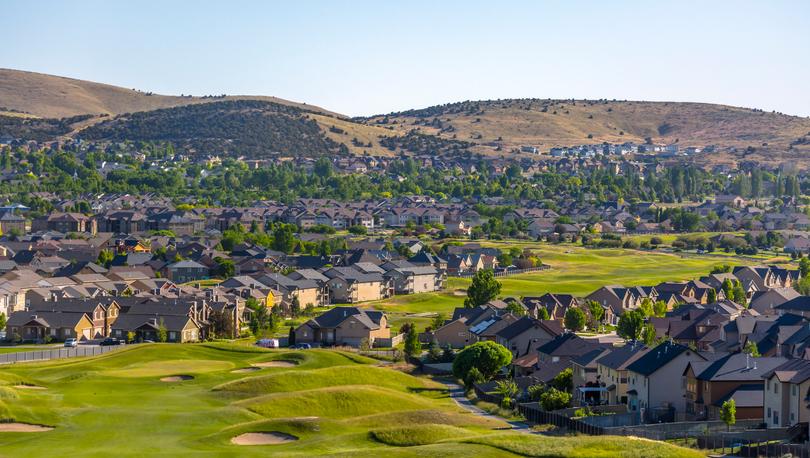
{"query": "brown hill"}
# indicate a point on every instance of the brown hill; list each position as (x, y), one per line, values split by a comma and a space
(49, 96)
(549, 123)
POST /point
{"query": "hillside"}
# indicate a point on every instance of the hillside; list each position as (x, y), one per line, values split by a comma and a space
(511, 124)
(49, 96)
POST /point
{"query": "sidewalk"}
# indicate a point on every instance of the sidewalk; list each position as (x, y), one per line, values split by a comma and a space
(457, 394)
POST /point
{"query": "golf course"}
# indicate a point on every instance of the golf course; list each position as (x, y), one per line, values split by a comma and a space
(225, 399)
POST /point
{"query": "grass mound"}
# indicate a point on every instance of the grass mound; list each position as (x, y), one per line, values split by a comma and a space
(409, 436)
(584, 446)
(335, 402)
(425, 417)
(170, 367)
(320, 378)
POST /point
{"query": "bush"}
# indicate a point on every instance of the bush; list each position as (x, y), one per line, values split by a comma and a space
(535, 391)
(554, 399)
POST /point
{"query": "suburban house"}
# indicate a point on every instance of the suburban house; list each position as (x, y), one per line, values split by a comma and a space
(306, 291)
(611, 371)
(661, 367)
(179, 328)
(349, 285)
(735, 376)
(584, 375)
(787, 394)
(765, 302)
(102, 314)
(527, 333)
(38, 326)
(187, 271)
(344, 326)
(408, 278)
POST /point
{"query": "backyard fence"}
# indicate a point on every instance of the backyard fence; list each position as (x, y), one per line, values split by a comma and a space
(535, 414)
(56, 353)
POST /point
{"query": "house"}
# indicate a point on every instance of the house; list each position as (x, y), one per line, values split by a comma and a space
(187, 271)
(39, 326)
(555, 304)
(408, 278)
(102, 314)
(662, 368)
(65, 222)
(344, 326)
(787, 391)
(765, 302)
(308, 292)
(736, 376)
(584, 374)
(349, 285)
(611, 371)
(179, 328)
(527, 333)
(797, 306)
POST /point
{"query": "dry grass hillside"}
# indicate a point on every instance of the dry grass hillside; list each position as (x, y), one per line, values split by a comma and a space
(49, 96)
(545, 124)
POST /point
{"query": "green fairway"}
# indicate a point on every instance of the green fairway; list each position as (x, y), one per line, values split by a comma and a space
(329, 402)
(574, 270)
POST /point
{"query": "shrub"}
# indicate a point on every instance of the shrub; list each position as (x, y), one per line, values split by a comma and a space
(554, 399)
(486, 357)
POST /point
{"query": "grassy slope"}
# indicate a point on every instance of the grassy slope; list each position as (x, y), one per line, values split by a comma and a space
(96, 412)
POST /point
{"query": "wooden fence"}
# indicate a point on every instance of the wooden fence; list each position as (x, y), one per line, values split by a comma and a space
(535, 414)
(503, 273)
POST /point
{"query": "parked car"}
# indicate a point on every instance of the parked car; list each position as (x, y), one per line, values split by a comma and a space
(268, 343)
(71, 342)
(110, 341)
(301, 346)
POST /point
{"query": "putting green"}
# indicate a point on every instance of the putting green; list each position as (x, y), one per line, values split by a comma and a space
(171, 367)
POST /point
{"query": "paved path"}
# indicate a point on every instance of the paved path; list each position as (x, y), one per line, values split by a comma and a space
(457, 394)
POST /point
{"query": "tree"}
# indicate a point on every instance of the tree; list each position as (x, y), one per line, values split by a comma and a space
(554, 399)
(597, 313)
(483, 289)
(575, 319)
(358, 230)
(412, 346)
(105, 258)
(649, 334)
(438, 321)
(3, 321)
(295, 307)
(804, 267)
(728, 413)
(220, 322)
(712, 296)
(564, 381)
(507, 389)
(284, 238)
(487, 357)
(473, 376)
(751, 349)
(646, 307)
(516, 308)
(660, 308)
(542, 313)
(225, 267)
(630, 325)
(291, 337)
(162, 333)
(130, 336)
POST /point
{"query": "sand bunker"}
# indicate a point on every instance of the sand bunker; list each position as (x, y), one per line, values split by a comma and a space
(176, 378)
(29, 387)
(460, 292)
(246, 369)
(23, 428)
(266, 438)
(275, 364)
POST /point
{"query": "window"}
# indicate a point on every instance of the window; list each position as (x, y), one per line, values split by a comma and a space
(793, 390)
(769, 412)
(776, 388)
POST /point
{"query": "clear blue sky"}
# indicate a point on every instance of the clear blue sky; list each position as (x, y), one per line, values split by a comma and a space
(366, 57)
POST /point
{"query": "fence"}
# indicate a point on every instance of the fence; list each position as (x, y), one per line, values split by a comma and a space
(56, 353)
(533, 413)
(390, 341)
(503, 273)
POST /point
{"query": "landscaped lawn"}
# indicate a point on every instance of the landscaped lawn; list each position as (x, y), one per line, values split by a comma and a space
(334, 403)
(574, 270)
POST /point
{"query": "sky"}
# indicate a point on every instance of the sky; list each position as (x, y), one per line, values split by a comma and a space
(369, 57)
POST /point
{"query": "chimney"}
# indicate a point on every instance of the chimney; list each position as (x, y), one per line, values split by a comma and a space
(747, 362)
(755, 364)
(34, 317)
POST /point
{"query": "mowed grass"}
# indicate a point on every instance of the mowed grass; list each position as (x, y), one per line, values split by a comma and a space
(335, 403)
(574, 270)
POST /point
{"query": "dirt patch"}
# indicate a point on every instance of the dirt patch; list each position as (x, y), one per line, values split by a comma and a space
(245, 370)
(459, 292)
(23, 428)
(177, 378)
(29, 387)
(279, 363)
(265, 438)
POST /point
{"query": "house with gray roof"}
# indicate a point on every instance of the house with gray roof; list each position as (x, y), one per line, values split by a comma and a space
(344, 326)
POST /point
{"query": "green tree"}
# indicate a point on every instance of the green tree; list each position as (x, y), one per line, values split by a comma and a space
(646, 307)
(597, 313)
(130, 336)
(507, 389)
(728, 413)
(284, 238)
(358, 230)
(649, 334)
(3, 321)
(291, 336)
(804, 267)
(751, 349)
(412, 346)
(225, 267)
(162, 333)
(564, 381)
(554, 399)
(105, 258)
(659, 308)
(438, 321)
(516, 308)
(575, 319)
(487, 357)
(712, 296)
(484, 288)
(630, 325)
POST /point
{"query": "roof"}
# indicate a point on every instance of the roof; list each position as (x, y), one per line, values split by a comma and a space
(735, 367)
(793, 371)
(332, 318)
(567, 344)
(801, 303)
(620, 358)
(749, 395)
(658, 357)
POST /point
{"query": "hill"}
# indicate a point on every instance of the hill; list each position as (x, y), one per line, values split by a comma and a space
(510, 124)
(49, 96)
